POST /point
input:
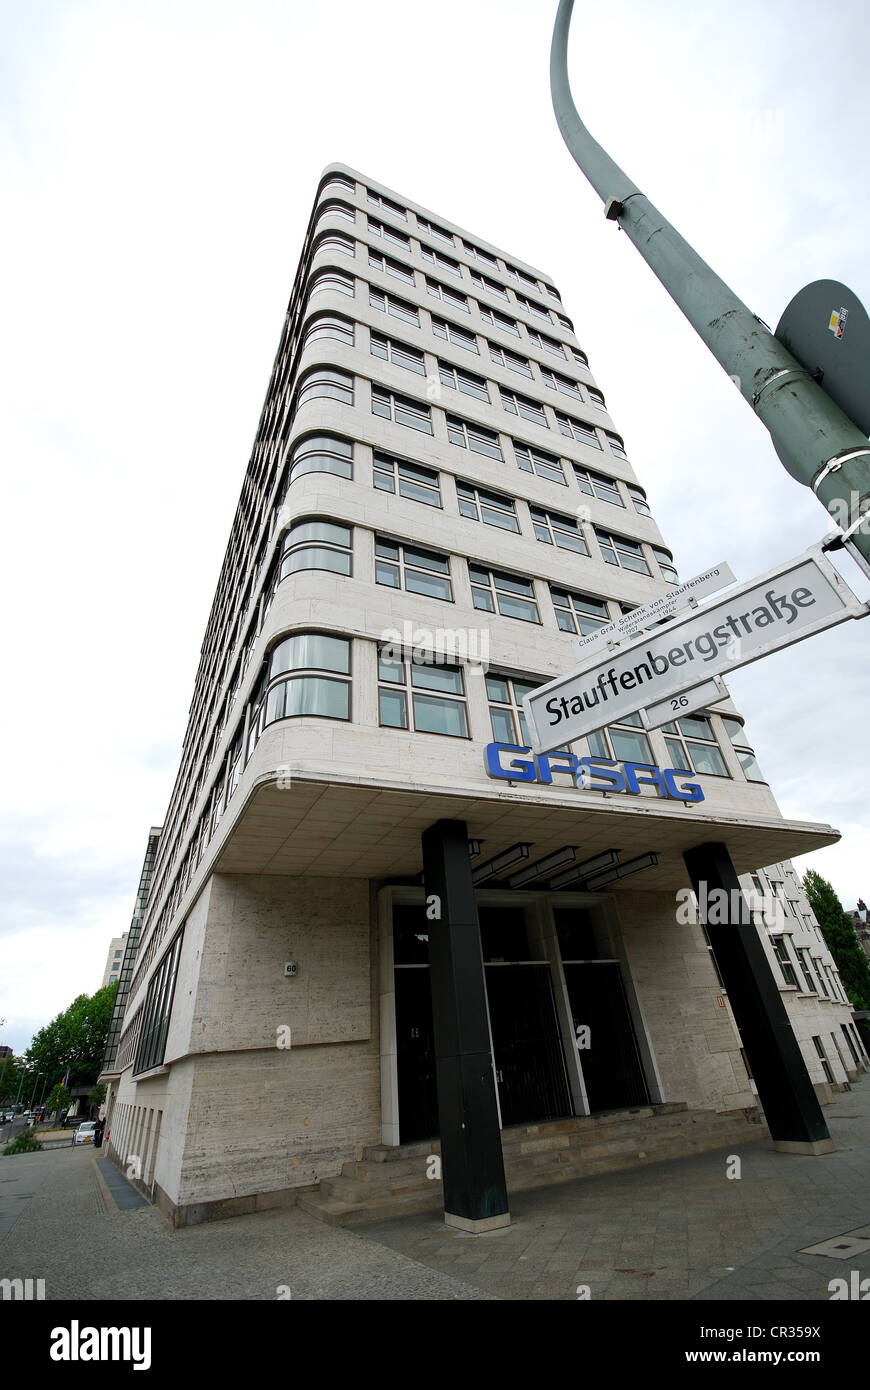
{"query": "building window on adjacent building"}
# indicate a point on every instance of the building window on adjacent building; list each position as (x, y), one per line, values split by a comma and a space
(408, 567)
(616, 445)
(475, 437)
(638, 497)
(320, 683)
(512, 360)
(386, 204)
(325, 382)
(665, 562)
(322, 453)
(561, 383)
(578, 429)
(692, 746)
(382, 229)
(447, 294)
(506, 709)
(316, 544)
(737, 734)
(483, 282)
(532, 460)
(497, 320)
(333, 280)
(452, 333)
(597, 485)
(329, 326)
(458, 380)
(619, 550)
(157, 1010)
(625, 741)
(427, 698)
(541, 340)
(389, 304)
(554, 529)
(434, 230)
(521, 405)
(436, 257)
(400, 354)
(387, 266)
(407, 479)
(336, 208)
(581, 614)
(491, 508)
(507, 594)
(531, 307)
(403, 411)
(823, 1057)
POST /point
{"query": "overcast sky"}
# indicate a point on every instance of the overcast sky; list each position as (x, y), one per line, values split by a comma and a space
(159, 161)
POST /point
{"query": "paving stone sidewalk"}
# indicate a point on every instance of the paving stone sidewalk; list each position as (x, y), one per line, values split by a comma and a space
(680, 1230)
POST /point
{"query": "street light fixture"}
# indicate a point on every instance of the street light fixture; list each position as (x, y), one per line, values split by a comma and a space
(818, 443)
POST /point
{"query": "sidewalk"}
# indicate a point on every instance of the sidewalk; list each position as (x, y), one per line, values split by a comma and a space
(680, 1230)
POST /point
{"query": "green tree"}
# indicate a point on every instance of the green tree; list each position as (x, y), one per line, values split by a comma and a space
(76, 1039)
(58, 1098)
(11, 1071)
(839, 934)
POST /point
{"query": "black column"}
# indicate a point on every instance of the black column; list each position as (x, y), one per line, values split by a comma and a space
(472, 1167)
(790, 1105)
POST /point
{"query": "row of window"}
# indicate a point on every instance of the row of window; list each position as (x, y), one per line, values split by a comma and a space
(813, 970)
(338, 282)
(388, 206)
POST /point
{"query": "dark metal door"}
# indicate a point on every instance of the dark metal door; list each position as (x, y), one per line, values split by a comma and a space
(611, 1064)
(527, 1047)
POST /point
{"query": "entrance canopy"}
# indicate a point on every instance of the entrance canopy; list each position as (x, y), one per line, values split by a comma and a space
(369, 829)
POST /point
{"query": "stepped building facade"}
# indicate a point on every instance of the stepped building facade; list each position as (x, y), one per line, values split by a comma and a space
(437, 506)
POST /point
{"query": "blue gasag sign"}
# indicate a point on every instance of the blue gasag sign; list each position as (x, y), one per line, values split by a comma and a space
(595, 774)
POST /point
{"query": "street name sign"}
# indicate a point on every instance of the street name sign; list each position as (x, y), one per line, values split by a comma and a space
(787, 605)
(665, 606)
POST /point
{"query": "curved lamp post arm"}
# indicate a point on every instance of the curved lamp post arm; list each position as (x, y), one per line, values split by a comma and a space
(826, 451)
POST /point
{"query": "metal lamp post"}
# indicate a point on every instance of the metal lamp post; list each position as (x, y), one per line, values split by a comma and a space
(818, 444)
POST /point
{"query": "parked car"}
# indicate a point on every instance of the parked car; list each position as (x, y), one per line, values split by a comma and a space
(85, 1132)
(7, 1117)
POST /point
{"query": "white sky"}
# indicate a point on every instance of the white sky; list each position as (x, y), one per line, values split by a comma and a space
(159, 159)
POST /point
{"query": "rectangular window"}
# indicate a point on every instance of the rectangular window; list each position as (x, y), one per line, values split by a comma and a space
(417, 571)
(512, 360)
(619, 550)
(625, 741)
(532, 460)
(506, 712)
(597, 485)
(561, 383)
(507, 594)
(521, 405)
(387, 266)
(554, 529)
(553, 292)
(803, 956)
(578, 429)
(391, 406)
(434, 230)
(780, 946)
(386, 204)
(520, 276)
(579, 613)
(638, 497)
(531, 307)
(157, 1010)
(407, 479)
(452, 333)
(436, 257)
(448, 295)
(491, 508)
(382, 229)
(468, 436)
(596, 398)
(480, 255)
(389, 304)
(666, 566)
(692, 746)
(483, 282)
(426, 698)
(616, 445)
(400, 354)
(541, 340)
(458, 380)
(497, 320)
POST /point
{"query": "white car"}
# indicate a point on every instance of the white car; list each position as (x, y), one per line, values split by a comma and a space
(85, 1132)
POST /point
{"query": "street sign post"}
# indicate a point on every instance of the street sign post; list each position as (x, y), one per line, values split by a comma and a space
(782, 607)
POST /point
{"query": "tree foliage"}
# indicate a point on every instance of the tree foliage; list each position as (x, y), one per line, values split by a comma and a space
(11, 1072)
(839, 933)
(76, 1039)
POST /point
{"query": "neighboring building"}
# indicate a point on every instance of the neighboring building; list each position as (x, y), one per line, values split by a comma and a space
(5, 1050)
(114, 960)
(861, 923)
(437, 505)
